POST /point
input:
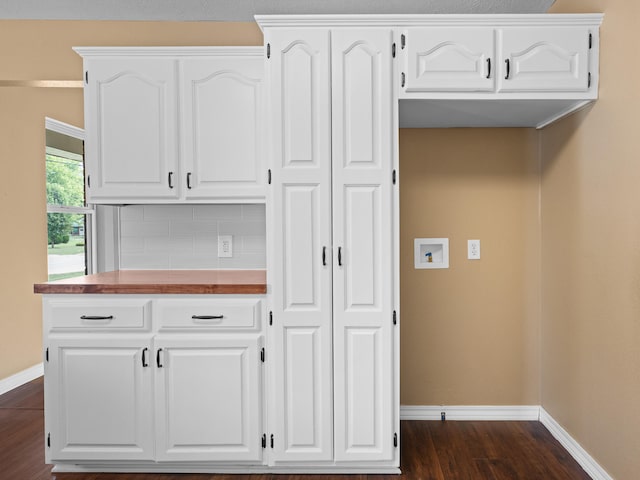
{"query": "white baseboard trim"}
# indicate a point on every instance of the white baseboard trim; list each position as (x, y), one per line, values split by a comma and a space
(481, 412)
(586, 461)
(20, 378)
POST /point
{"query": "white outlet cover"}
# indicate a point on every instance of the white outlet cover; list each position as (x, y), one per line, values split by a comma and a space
(473, 249)
(225, 246)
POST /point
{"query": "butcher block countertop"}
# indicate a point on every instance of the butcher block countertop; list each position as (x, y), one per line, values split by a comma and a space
(162, 282)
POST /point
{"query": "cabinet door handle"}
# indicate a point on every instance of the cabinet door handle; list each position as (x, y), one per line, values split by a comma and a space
(324, 256)
(144, 357)
(158, 358)
(339, 256)
(207, 317)
(506, 77)
(96, 317)
(488, 68)
(189, 180)
(170, 179)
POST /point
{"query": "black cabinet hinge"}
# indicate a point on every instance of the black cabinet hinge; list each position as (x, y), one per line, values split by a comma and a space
(395, 318)
(403, 41)
(393, 50)
(393, 176)
(272, 440)
(590, 41)
(395, 440)
(270, 318)
(268, 50)
(46, 354)
(264, 440)
(48, 440)
(262, 355)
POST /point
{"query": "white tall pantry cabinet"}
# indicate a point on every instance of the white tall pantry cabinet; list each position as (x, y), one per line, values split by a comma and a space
(333, 242)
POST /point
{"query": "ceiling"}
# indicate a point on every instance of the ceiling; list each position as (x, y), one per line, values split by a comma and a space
(244, 10)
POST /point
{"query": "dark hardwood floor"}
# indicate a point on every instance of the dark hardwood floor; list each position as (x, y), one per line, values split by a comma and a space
(430, 450)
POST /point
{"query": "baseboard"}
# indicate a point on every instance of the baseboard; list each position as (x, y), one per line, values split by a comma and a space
(586, 461)
(481, 412)
(20, 378)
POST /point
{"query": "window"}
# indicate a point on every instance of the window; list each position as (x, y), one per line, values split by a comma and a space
(70, 221)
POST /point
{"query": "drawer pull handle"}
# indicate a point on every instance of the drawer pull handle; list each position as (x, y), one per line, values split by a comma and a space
(207, 317)
(96, 317)
(158, 358)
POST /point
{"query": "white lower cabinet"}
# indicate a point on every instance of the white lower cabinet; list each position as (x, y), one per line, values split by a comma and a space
(160, 380)
(208, 398)
(99, 402)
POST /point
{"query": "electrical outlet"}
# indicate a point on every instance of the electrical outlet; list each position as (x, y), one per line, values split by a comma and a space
(225, 246)
(473, 249)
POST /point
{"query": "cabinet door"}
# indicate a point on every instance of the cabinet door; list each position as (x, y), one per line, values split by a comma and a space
(363, 234)
(208, 392)
(300, 240)
(99, 399)
(130, 111)
(544, 59)
(222, 112)
(450, 59)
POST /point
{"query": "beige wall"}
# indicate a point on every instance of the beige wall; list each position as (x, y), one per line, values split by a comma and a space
(591, 254)
(41, 50)
(470, 333)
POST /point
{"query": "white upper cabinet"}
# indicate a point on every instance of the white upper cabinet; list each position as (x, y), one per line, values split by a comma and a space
(222, 122)
(174, 124)
(539, 59)
(450, 59)
(131, 144)
(495, 70)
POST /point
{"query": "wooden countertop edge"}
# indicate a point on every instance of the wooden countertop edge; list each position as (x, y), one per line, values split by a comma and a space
(152, 282)
(182, 288)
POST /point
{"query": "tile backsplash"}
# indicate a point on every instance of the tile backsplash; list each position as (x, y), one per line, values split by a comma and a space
(186, 236)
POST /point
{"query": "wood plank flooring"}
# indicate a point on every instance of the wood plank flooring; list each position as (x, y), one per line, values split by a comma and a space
(430, 450)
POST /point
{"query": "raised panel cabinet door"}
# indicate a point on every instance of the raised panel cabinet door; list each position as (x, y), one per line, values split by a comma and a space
(99, 399)
(450, 59)
(363, 150)
(299, 236)
(544, 59)
(131, 128)
(222, 126)
(208, 398)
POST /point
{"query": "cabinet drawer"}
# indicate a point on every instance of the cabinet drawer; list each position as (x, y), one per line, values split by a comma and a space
(209, 314)
(102, 314)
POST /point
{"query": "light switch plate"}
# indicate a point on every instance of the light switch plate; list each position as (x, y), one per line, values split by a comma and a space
(473, 249)
(225, 246)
